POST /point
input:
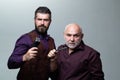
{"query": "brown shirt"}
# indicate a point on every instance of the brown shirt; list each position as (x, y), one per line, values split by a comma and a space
(37, 68)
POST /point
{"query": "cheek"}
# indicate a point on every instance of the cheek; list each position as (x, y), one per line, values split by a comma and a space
(67, 39)
(47, 24)
(36, 23)
(78, 39)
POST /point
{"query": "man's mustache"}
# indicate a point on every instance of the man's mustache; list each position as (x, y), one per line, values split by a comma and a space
(42, 26)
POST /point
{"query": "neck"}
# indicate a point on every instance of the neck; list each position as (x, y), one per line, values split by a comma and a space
(70, 50)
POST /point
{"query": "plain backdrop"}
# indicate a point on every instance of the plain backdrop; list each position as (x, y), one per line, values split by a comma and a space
(100, 21)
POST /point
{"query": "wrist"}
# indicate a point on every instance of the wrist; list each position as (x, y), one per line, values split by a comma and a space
(53, 59)
(24, 58)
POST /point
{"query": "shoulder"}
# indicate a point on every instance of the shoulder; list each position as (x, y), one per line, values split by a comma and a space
(88, 50)
(91, 51)
(50, 38)
(25, 35)
(62, 45)
(23, 39)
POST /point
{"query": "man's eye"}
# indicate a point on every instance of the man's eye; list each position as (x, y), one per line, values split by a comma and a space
(43, 19)
(46, 19)
(77, 35)
(39, 19)
(68, 35)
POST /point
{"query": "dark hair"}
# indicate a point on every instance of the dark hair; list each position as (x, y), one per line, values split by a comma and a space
(43, 9)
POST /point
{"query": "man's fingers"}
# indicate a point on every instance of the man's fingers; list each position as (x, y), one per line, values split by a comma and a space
(51, 53)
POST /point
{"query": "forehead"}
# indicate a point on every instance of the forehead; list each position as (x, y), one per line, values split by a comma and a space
(42, 15)
(72, 29)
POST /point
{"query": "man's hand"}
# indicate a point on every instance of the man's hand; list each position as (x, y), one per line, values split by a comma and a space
(31, 53)
(52, 54)
(53, 62)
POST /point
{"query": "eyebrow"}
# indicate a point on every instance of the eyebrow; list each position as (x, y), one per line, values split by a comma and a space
(77, 34)
(43, 19)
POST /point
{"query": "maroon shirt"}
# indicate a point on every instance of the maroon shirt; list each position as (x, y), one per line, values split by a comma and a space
(82, 64)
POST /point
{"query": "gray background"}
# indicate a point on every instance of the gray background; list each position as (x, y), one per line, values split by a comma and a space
(100, 20)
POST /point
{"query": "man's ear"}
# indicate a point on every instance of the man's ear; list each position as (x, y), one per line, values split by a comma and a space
(34, 20)
(82, 35)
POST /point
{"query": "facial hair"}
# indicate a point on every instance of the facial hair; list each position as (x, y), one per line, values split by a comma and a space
(73, 45)
(41, 29)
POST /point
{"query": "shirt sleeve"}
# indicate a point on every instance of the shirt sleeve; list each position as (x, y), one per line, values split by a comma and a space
(95, 66)
(21, 47)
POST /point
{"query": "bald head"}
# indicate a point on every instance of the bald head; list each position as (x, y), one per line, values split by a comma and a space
(73, 26)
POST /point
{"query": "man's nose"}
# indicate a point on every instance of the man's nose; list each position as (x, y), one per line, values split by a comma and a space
(42, 22)
(72, 38)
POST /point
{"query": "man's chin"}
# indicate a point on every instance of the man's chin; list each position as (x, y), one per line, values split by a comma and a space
(71, 46)
(42, 30)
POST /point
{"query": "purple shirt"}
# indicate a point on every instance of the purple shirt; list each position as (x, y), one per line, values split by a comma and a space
(21, 47)
(82, 64)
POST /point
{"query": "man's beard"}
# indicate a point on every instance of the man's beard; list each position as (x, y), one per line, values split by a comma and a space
(73, 45)
(41, 29)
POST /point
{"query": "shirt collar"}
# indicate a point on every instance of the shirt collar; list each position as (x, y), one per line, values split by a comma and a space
(46, 37)
(81, 45)
(43, 36)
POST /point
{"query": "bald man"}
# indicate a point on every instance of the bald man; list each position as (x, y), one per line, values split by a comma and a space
(74, 60)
